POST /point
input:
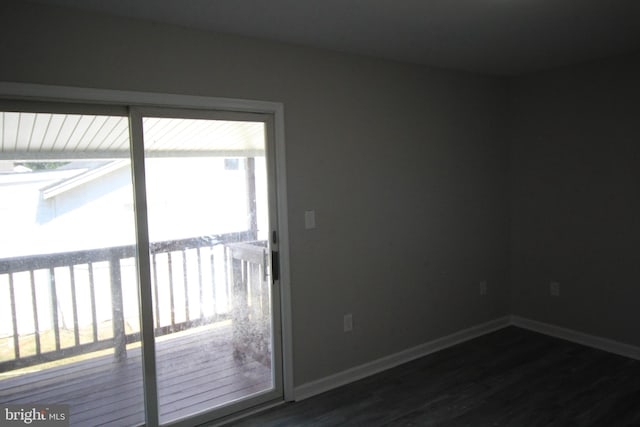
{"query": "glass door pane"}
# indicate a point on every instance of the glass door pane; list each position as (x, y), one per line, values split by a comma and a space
(69, 320)
(208, 221)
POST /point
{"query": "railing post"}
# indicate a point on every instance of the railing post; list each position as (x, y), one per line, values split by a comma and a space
(250, 176)
(54, 307)
(239, 307)
(119, 335)
(14, 317)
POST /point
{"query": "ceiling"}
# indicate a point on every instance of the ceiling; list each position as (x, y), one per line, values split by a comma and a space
(501, 37)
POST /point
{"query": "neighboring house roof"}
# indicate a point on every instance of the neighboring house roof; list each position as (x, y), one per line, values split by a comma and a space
(82, 178)
(45, 177)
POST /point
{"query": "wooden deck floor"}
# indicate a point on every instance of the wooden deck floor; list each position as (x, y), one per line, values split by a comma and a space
(196, 372)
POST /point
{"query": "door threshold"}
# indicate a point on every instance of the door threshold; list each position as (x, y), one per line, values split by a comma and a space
(238, 416)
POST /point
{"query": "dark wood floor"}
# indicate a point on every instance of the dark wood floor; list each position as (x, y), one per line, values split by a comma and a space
(196, 371)
(511, 377)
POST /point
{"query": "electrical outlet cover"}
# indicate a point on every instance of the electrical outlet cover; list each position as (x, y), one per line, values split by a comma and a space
(348, 322)
(554, 289)
(483, 287)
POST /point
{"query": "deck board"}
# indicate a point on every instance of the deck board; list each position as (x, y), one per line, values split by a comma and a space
(101, 391)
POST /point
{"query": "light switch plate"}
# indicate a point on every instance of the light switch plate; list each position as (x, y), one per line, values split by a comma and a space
(310, 220)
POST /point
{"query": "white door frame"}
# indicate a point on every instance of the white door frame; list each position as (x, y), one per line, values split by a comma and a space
(69, 94)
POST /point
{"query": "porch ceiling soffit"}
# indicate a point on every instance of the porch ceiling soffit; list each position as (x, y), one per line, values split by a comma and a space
(34, 136)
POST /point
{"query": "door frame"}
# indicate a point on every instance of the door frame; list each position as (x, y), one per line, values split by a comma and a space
(69, 94)
(138, 143)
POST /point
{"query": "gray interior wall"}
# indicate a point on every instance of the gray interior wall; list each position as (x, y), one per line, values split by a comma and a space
(405, 166)
(407, 169)
(575, 197)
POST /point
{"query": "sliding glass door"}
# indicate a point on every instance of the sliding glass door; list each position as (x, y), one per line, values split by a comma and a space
(145, 299)
(208, 222)
(69, 317)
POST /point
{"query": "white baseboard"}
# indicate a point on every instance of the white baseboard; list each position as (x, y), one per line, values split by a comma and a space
(600, 343)
(313, 388)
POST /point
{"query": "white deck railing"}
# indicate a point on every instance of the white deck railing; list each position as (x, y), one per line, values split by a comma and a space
(66, 304)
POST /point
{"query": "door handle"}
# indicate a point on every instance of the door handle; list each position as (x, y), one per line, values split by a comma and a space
(275, 265)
